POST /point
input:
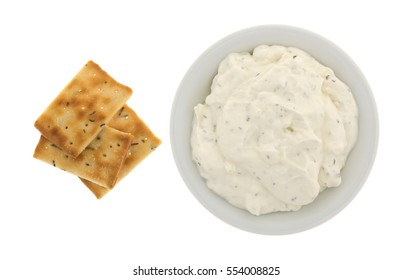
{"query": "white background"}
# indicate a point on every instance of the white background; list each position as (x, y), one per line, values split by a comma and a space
(52, 227)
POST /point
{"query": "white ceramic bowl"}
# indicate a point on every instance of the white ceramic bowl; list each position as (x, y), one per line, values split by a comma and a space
(195, 86)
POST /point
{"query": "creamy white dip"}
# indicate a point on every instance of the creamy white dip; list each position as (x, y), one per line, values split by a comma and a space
(275, 130)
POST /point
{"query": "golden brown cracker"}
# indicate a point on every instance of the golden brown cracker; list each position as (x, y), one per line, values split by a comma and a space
(76, 116)
(143, 143)
(100, 162)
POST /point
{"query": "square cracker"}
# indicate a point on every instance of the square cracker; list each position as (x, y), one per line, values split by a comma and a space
(143, 143)
(76, 116)
(100, 162)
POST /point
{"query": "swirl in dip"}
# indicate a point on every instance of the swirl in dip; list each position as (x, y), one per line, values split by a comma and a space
(275, 131)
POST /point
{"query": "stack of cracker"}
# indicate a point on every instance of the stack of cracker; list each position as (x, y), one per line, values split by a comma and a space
(89, 131)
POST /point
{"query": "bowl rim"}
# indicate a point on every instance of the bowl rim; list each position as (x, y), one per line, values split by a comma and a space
(289, 31)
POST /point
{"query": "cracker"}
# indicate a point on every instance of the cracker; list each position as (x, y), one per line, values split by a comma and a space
(144, 142)
(99, 163)
(76, 116)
